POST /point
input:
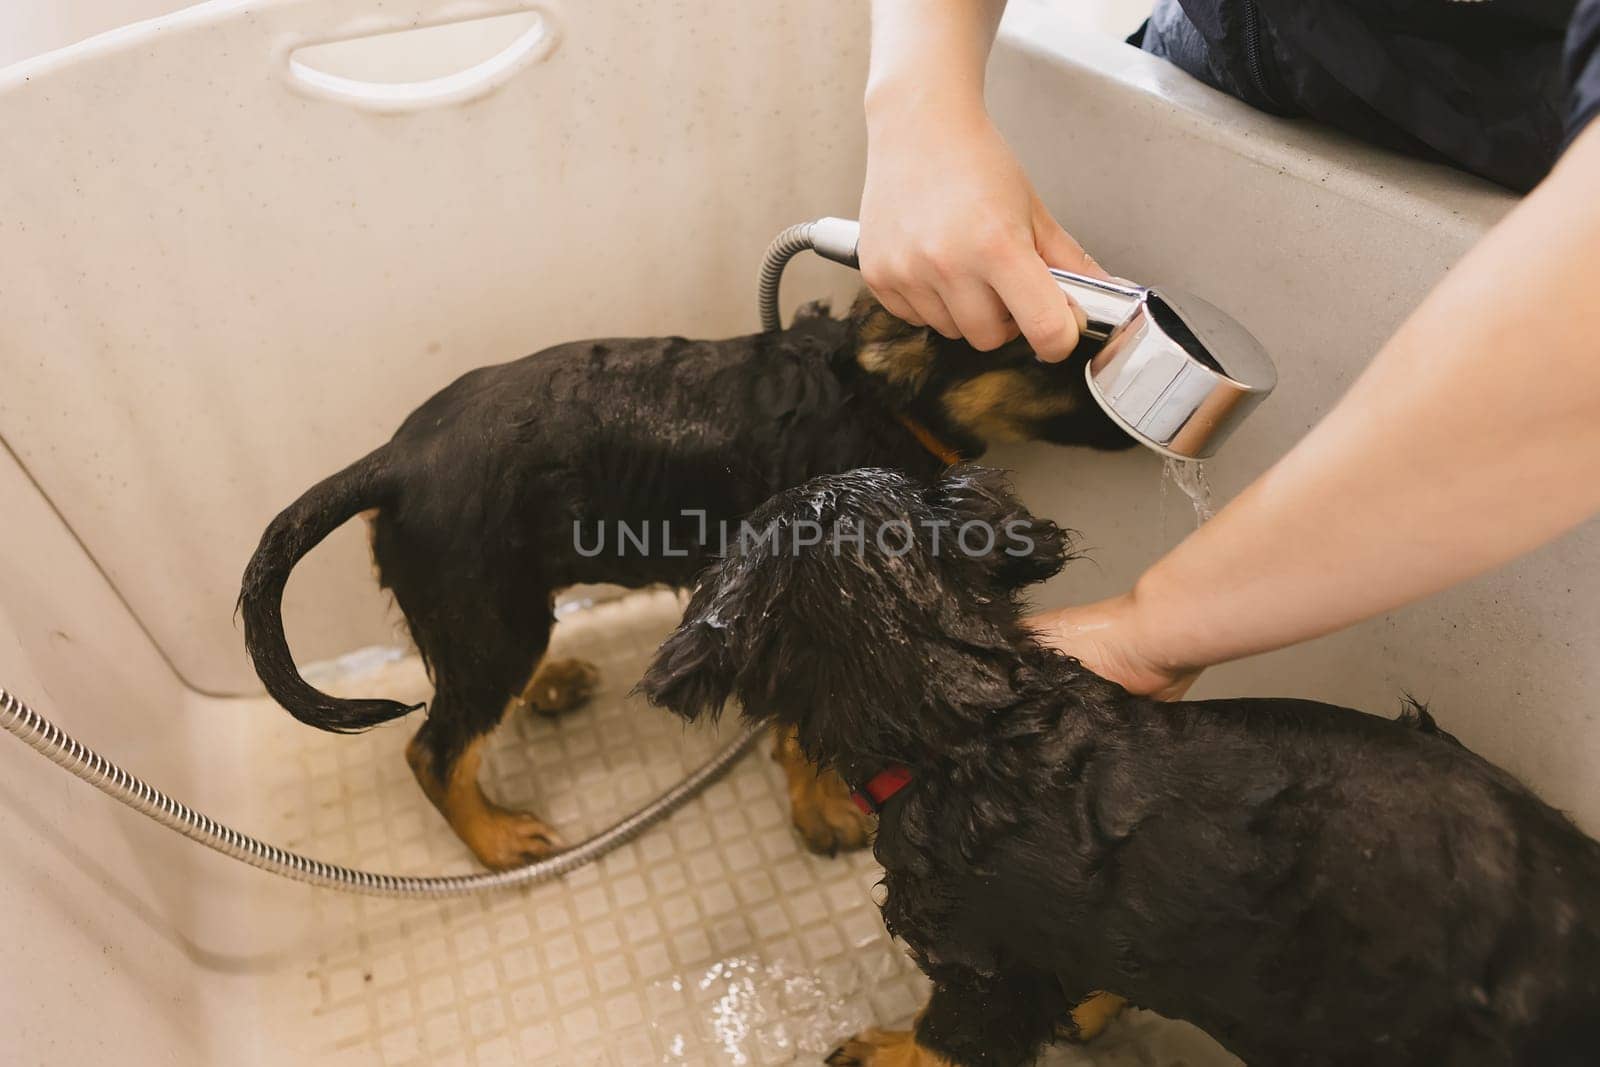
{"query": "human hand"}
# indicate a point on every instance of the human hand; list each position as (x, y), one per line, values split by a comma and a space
(1105, 637)
(953, 235)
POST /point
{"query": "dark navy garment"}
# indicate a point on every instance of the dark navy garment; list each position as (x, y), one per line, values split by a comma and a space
(1583, 67)
(1496, 87)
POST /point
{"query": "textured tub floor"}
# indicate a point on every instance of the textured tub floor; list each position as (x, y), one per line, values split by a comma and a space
(715, 939)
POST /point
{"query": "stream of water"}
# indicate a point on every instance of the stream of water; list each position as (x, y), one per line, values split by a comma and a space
(1189, 475)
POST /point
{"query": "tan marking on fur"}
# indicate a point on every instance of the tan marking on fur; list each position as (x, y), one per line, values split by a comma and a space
(891, 348)
(827, 819)
(499, 837)
(559, 685)
(885, 1048)
(997, 405)
(1091, 1018)
(902, 362)
(873, 321)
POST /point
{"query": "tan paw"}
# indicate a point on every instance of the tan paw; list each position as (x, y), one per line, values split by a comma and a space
(884, 1048)
(827, 820)
(560, 685)
(1093, 1015)
(499, 837)
(503, 839)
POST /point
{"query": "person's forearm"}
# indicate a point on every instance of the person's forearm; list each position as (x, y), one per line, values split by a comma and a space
(1472, 438)
(930, 52)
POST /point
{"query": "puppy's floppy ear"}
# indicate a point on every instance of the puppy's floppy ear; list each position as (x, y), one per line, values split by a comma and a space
(1025, 548)
(692, 673)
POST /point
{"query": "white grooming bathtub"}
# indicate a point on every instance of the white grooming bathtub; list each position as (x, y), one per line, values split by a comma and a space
(225, 276)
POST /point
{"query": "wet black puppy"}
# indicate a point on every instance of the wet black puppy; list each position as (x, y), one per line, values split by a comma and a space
(1310, 884)
(494, 494)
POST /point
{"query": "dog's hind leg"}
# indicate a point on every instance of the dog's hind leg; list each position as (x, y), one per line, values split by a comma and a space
(474, 684)
(482, 620)
(500, 837)
(827, 820)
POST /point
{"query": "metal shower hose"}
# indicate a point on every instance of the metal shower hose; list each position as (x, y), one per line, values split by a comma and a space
(66, 751)
(60, 748)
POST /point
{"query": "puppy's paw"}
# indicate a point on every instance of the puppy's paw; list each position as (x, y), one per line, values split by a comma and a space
(827, 820)
(560, 685)
(503, 839)
(1091, 1017)
(884, 1048)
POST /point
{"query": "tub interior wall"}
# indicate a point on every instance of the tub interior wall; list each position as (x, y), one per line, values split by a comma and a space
(119, 936)
(323, 268)
(277, 278)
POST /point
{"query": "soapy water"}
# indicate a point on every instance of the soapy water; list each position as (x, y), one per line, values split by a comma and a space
(751, 1013)
(1189, 475)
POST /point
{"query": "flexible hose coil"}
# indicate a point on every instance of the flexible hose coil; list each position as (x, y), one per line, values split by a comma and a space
(784, 247)
(65, 751)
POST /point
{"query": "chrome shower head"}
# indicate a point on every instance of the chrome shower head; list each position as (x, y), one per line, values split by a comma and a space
(1174, 372)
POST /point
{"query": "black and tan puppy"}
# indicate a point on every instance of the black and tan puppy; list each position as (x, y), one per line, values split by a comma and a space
(493, 495)
(1310, 884)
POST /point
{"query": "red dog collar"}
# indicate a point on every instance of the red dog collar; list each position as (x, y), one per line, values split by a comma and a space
(880, 787)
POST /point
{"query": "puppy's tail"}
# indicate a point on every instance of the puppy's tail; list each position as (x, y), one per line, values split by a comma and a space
(298, 529)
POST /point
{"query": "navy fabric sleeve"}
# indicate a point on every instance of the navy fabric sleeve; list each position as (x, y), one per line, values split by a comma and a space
(1583, 67)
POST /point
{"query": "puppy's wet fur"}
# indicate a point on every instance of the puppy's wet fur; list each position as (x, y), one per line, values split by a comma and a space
(1310, 884)
(476, 497)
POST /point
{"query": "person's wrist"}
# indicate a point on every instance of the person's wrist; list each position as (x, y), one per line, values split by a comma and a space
(896, 105)
(1101, 637)
(1152, 616)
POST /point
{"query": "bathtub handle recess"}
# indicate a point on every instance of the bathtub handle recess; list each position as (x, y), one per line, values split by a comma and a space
(65, 751)
(533, 44)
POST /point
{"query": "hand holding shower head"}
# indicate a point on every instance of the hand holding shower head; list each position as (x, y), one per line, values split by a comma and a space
(1174, 372)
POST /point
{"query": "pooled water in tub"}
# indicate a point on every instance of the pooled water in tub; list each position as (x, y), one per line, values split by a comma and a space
(746, 1010)
(1189, 475)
